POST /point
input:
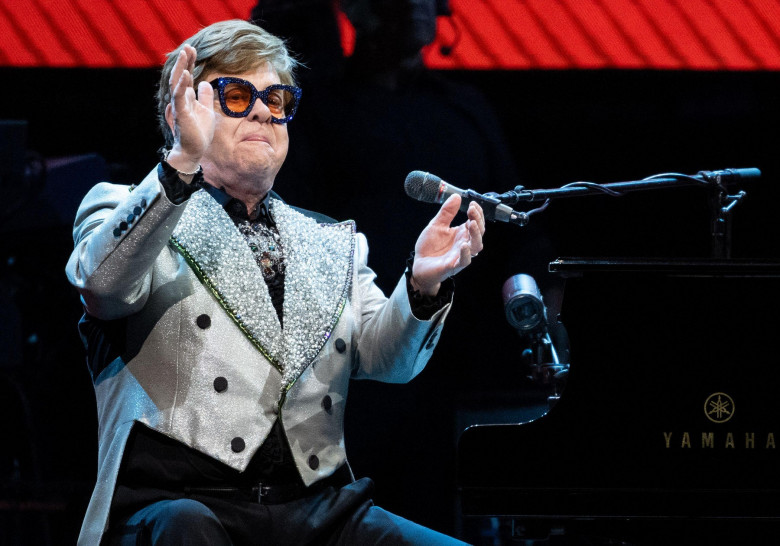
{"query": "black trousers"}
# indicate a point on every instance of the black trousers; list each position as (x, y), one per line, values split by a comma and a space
(332, 516)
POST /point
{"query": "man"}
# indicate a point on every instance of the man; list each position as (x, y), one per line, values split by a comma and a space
(223, 326)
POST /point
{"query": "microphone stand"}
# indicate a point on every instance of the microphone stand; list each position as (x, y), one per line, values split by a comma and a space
(721, 203)
(544, 365)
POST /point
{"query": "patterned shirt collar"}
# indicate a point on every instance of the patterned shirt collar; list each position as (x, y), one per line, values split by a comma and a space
(237, 209)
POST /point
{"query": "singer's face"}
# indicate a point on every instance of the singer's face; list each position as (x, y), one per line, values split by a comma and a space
(246, 153)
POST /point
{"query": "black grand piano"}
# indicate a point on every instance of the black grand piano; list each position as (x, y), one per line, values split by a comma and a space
(667, 430)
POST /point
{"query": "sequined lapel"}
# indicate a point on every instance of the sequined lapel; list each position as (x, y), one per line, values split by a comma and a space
(218, 254)
(317, 281)
(317, 278)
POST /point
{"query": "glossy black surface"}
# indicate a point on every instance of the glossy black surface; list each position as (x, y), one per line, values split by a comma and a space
(632, 438)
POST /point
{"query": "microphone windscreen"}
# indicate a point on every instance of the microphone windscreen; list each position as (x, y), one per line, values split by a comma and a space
(422, 186)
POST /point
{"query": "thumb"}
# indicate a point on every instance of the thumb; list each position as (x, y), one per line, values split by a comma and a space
(448, 210)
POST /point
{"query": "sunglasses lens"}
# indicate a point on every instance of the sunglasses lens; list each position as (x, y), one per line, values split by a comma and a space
(237, 97)
(280, 102)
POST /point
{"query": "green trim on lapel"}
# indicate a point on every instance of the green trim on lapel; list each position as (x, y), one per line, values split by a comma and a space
(231, 313)
(318, 277)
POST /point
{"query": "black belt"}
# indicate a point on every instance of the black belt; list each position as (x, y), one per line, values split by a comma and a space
(277, 493)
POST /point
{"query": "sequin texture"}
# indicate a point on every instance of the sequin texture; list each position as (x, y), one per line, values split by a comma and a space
(318, 275)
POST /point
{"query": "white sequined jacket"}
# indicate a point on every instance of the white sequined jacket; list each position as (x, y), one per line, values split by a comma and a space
(204, 359)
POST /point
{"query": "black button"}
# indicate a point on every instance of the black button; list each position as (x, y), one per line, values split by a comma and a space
(314, 462)
(220, 384)
(143, 203)
(130, 218)
(117, 232)
(203, 321)
(327, 403)
(137, 210)
(341, 346)
(237, 444)
(123, 225)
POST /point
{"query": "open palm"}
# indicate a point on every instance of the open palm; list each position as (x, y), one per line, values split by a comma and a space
(442, 250)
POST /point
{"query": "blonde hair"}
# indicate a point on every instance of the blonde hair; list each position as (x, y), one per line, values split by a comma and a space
(231, 47)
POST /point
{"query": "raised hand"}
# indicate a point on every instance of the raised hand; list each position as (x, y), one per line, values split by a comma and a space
(192, 118)
(441, 250)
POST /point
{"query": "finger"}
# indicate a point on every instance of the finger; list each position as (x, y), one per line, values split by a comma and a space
(182, 84)
(183, 97)
(192, 56)
(206, 95)
(476, 213)
(179, 67)
(465, 257)
(476, 238)
(448, 211)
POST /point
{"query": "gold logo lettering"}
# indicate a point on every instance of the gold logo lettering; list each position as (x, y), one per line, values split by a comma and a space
(719, 408)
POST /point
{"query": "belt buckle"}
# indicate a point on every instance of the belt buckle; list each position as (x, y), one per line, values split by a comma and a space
(263, 492)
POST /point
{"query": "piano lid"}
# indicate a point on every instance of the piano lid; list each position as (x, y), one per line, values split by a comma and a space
(568, 267)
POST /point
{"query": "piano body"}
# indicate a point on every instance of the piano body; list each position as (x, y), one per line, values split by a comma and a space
(668, 428)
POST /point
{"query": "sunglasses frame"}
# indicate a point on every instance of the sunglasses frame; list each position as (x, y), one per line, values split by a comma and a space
(220, 83)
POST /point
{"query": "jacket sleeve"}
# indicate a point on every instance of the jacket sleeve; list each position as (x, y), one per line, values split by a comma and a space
(119, 232)
(393, 345)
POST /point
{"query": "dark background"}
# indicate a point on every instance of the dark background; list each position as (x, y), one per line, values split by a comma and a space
(351, 147)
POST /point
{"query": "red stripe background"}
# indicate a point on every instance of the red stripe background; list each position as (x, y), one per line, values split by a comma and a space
(490, 34)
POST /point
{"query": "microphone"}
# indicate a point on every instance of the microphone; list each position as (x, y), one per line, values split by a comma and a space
(729, 176)
(429, 188)
(523, 304)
